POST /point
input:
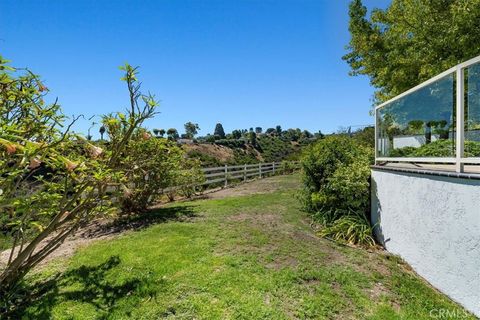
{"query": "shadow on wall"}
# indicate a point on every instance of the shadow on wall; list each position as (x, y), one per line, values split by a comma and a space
(376, 211)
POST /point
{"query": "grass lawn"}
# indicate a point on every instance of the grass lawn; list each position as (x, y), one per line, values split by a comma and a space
(240, 257)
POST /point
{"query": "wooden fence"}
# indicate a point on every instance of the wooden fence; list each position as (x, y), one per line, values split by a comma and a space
(226, 174)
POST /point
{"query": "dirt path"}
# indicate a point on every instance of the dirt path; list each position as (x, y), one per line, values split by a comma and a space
(260, 186)
(103, 229)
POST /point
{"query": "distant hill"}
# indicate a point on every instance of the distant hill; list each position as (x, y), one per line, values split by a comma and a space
(224, 151)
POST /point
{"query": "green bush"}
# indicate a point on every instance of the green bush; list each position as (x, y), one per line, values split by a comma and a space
(438, 148)
(231, 143)
(52, 181)
(287, 167)
(273, 148)
(336, 173)
(150, 165)
(206, 160)
(351, 229)
(189, 178)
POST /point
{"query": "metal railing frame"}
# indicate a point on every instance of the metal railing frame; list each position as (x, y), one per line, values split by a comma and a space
(459, 160)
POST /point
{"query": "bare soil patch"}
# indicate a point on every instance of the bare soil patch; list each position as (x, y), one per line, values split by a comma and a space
(222, 153)
(260, 186)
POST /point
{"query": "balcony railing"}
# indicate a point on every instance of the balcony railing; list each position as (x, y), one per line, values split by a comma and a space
(436, 122)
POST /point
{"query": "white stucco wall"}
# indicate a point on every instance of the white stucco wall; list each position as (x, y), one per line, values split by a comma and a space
(411, 141)
(433, 223)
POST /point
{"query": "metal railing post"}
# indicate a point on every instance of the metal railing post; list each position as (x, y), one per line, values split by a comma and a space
(226, 175)
(376, 136)
(460, 110)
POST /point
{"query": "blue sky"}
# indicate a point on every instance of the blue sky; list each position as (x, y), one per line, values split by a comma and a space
(241, 63)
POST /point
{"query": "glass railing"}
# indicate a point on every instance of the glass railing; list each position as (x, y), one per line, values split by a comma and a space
(472, 111)
(421, 124)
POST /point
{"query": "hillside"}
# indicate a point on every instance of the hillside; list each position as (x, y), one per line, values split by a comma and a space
(266, 149)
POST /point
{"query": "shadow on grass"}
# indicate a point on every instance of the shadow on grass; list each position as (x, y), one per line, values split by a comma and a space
(86, 284)
(89, 284)
(143, 220)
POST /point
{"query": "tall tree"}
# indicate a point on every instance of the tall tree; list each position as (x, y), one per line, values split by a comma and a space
(258, 130)
(219, 131)
(191, 129)
(172, 134)
(236, 134)
(411, 41)
(279, 130)
(102, 132)
(252, 138)
(270, 131)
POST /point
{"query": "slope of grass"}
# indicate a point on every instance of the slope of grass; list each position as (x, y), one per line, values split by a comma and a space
(250, 257)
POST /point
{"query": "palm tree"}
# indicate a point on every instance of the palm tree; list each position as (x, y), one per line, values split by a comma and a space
(102, 131)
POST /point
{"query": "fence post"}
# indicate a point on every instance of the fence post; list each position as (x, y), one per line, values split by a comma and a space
(260, 170)
(273, 168)
(226, 175)
(244, 172)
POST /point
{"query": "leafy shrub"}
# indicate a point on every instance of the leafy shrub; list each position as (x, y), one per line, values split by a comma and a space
(336, 173)
(287, 167)
(51, 180)
(438, 148)
(188, 179)
(472, 148)
(231, 143)
(352, 229)
(402, 152)
(365, 136)
(206, 160)
(243, 157)
(149, 166)
(273, 148)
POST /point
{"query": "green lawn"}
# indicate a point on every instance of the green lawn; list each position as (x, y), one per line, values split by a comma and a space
(248, 257)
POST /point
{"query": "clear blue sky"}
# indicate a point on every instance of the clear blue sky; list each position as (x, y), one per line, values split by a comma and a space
(241, 63)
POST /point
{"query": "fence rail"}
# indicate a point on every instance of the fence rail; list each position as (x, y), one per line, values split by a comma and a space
(244, 172)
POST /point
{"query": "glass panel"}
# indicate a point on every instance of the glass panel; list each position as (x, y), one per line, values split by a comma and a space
(420, 124)
(472, 111)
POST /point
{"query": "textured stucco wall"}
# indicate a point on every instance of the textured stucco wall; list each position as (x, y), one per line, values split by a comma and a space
(433, 223)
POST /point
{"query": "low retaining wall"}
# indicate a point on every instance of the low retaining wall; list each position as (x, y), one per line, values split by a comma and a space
(433, 222)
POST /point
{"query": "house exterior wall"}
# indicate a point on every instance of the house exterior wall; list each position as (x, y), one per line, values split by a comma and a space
(433, 223)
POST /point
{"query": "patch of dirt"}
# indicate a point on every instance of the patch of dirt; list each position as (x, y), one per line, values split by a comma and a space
(283, 262)
(265, 219)
(260, 186)
(222, 153)
(379, 291)
(70, 245)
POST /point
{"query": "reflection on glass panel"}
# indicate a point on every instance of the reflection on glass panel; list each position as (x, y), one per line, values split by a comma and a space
(420, 124)
(472, 111)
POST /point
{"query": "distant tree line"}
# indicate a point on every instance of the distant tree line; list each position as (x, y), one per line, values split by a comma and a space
(246, 136)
